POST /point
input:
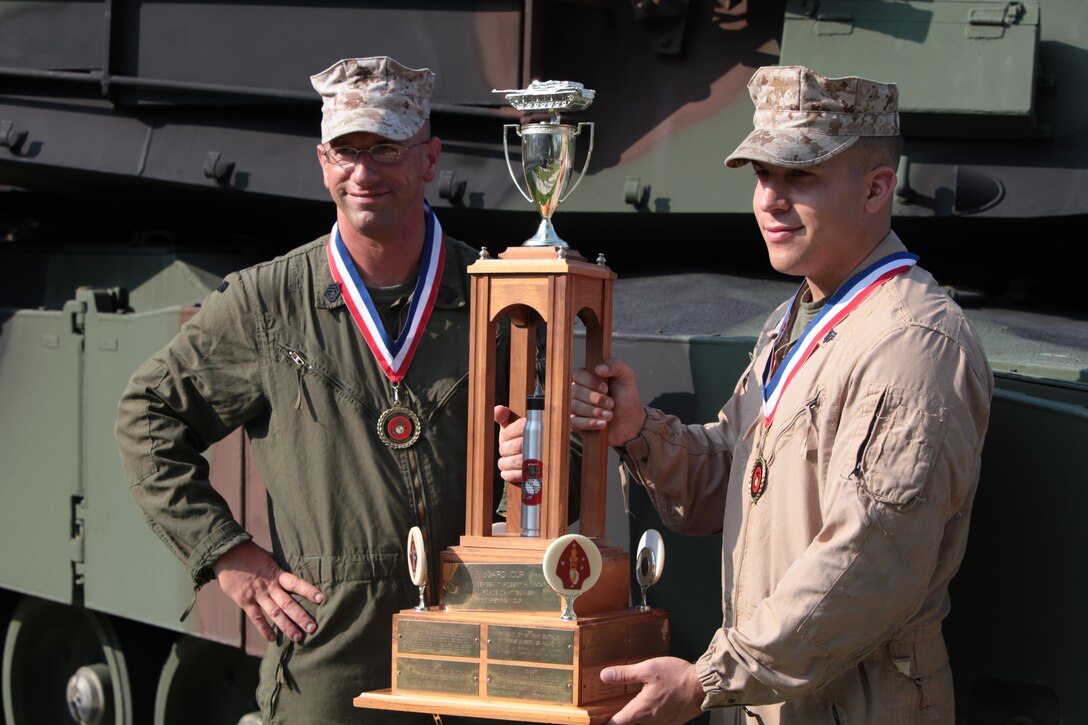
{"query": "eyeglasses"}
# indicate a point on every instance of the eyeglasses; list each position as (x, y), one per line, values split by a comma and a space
(383, 153)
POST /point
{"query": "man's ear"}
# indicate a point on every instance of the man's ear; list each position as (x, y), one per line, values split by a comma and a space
(323, 163)
(880, 187)
(432, 151)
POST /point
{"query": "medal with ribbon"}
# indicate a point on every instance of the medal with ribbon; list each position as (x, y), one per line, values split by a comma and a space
(398, 426)
(776, 378)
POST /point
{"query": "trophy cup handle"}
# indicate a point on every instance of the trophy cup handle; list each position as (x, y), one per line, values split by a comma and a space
(585, 165)
(506, 151)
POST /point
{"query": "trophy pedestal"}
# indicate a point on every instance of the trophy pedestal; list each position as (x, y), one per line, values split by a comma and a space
(528, 667)
(498, 648)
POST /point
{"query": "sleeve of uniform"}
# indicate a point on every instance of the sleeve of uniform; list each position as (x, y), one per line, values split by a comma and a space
(685, 468)
(201, 386)
(904, 463)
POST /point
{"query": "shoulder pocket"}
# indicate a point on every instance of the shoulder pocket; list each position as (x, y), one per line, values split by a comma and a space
(895, 437)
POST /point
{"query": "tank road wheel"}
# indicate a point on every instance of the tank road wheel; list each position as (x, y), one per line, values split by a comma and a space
(208, 683)
(63, 664)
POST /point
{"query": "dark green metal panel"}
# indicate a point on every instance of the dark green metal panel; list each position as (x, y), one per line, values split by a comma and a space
(122, 555)
(1019, 596)
(962, 66)
(40, 358)
(74, 29)
(128, 569)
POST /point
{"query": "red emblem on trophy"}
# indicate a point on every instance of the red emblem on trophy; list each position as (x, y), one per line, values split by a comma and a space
(572, 565)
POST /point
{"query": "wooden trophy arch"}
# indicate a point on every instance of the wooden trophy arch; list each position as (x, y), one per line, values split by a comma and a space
(536, 292)
(538, 289)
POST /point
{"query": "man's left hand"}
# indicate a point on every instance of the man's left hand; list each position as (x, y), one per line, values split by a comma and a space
(671, 693)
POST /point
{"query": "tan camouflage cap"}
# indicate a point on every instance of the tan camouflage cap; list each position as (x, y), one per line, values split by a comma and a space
(803, 118)
(377, 95)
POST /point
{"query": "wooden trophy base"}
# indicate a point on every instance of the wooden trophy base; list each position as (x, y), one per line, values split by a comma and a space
(468, 707)
(525, 667)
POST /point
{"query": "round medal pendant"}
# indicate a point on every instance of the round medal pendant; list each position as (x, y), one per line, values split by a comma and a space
(757, 484)
(398, 427)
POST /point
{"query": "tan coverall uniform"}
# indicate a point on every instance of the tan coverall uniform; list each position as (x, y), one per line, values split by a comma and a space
(835, 581)
(276, 350)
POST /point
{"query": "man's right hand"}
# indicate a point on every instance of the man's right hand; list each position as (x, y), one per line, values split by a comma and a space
(607, 396)
(511, 443)
(251, 577)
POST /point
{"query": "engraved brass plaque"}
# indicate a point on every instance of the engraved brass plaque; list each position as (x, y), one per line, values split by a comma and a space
(531, 683)
(647, 639)
(530, 644)
(499, 587)
(426, 675)
(438, 638)
(604, 644)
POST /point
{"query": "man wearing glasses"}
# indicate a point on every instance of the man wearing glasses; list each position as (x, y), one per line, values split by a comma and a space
(346, 360)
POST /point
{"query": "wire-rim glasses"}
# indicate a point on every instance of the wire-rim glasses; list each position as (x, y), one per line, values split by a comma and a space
(383, 153)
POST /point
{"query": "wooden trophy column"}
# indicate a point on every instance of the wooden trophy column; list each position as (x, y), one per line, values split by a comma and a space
(535, 286)
(496, 645)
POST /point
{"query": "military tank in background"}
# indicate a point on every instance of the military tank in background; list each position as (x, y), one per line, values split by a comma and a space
(149, 147)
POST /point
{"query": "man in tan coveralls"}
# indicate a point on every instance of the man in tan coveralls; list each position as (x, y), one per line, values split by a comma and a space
(355, 446)
(844, 497)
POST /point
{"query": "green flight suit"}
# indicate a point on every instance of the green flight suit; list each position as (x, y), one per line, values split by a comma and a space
(276, 350)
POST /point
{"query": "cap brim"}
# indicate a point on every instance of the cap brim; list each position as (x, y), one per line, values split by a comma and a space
(788, 148)
(394, 128)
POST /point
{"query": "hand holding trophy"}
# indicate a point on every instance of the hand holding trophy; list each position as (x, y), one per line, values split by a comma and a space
(547, 150)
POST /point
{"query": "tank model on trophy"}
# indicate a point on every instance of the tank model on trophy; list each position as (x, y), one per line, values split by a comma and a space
(547, 150)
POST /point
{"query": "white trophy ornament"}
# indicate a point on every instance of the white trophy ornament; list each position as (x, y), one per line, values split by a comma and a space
(572, 565)
(417, 564)
(649, 562)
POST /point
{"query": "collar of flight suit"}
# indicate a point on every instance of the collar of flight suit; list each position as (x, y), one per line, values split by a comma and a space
(452, 291)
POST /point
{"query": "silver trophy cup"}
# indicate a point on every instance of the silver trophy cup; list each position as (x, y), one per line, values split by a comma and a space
(547, 150)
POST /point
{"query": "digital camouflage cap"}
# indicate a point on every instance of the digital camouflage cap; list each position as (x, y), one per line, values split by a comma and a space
(375, 95)
(803, 118)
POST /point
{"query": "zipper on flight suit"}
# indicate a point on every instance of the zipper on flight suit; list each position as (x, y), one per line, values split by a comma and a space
(302, 367)
(856, 473)
(808, 408)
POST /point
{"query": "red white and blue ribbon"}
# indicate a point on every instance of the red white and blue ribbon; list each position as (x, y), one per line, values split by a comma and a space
(845, 300)
(393, 356)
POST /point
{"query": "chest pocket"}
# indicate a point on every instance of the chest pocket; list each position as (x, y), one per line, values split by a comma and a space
(306, 377)
(797, 435)
(895, 437)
